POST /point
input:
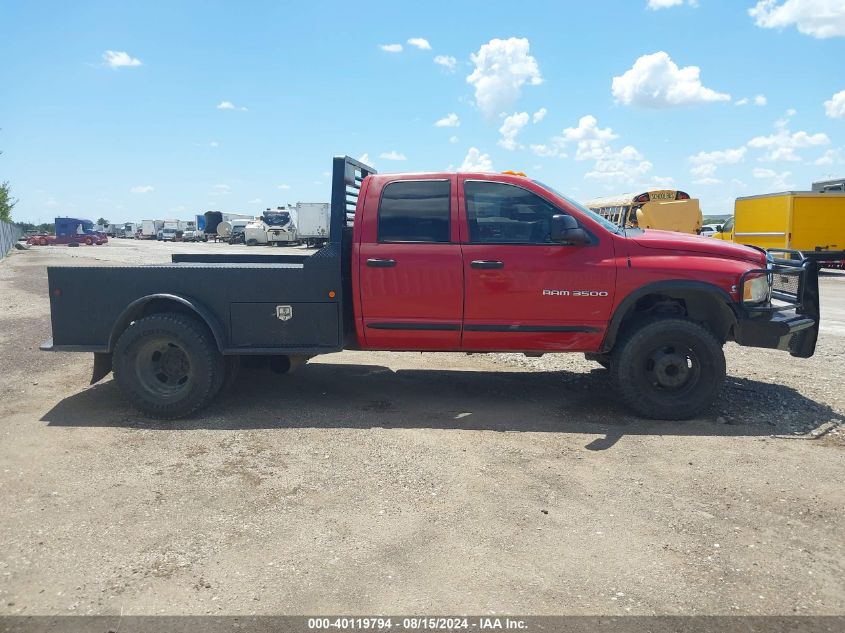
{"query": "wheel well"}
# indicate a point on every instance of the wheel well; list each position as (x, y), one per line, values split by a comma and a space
(161, 304)
(701, 306)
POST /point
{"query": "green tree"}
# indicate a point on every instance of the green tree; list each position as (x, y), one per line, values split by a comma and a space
(102, 222)
(7, 202)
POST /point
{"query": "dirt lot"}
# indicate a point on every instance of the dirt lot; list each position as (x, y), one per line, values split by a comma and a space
(414, 483)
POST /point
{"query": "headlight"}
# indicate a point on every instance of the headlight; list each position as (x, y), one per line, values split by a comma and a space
(756, 289)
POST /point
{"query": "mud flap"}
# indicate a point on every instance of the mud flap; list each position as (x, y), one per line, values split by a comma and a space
(102, 366)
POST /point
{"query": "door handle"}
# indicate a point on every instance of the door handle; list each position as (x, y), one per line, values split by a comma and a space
(381, 263)
(487, 264)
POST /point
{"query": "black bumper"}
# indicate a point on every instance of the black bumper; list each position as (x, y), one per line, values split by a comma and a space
(790, 321)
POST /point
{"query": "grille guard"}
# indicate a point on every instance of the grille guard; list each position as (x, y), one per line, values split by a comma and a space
(795, 287)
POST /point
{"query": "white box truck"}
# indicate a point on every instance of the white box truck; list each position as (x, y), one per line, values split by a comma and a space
(312, 222)
(150, 228)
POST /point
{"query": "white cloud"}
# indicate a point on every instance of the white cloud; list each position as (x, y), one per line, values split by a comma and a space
(661, 182)
(447, 61)
(707, 181)
(120, 59)
(214, 144)
(592, 140)
(476, 161)
(539, 115)
(365, 158)
(228, 105)
(782, 144)
(705, 163)
(719, 157)
(830, 157)
(759, 100)
(420, 42)
(835, 107)
(625, 167)
(450, 120)
(818, 18)
(511, 128)
(778, 179)
(453, 139)
(761, 172)
(393, 155)
(654, 5)
(142, 189)
(502, 67)
(546, 151)
(285, 187)
(391, 48)
(255, 201)
(655, 81)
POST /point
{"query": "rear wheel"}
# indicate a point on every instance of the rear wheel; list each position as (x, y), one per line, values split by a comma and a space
(669, 369)
(88, 241)
(252, 242)
(168, 365)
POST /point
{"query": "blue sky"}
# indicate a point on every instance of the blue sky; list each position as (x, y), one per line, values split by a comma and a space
(168, 109)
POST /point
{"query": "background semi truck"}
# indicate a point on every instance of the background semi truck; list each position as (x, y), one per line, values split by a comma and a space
(72, 231)
(807, 221)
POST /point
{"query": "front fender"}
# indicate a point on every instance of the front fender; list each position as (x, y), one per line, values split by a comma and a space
(686, 289)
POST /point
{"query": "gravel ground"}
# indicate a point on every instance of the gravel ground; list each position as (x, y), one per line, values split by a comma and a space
(414, 483)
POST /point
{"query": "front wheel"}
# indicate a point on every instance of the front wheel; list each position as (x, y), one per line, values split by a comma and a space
(668, 369)
(168, 365)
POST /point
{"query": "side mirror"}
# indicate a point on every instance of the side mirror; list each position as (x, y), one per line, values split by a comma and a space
(565, 230)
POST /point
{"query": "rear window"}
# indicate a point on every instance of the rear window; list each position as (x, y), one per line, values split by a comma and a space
(415, 211)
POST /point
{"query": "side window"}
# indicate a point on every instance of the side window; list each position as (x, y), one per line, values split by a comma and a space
(728, 226)
(498, 213)
(415, 211)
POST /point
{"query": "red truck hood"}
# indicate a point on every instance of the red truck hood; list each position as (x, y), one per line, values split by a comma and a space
(669, 240)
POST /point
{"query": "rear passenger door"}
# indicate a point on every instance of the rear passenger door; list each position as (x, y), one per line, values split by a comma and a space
(410, 267)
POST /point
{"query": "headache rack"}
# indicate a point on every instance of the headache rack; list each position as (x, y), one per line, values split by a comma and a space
(347, 176)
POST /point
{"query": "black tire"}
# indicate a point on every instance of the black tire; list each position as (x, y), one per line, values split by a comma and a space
(668, 369)
(252, 242)
(168, 365)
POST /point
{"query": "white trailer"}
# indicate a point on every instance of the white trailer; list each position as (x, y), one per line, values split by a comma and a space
(312, 222)
(150, 229)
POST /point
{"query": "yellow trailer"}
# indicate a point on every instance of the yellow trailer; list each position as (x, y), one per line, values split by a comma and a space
(806, 221)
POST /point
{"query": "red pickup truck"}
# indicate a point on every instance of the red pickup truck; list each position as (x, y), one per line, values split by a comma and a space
(474, 262)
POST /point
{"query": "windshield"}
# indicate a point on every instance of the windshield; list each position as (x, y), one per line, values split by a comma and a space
(87, 225)
(276, 218)
(610, 226)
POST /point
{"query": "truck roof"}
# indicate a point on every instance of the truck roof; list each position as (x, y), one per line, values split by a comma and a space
(808, 194)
